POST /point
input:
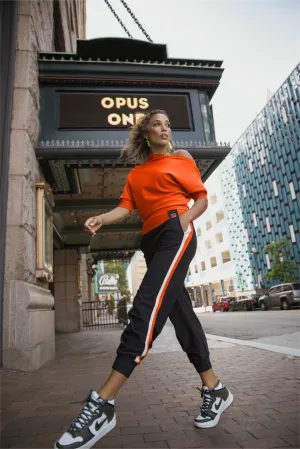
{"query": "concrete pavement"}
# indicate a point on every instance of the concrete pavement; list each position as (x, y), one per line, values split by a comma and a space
(274, 328)
(155, 409)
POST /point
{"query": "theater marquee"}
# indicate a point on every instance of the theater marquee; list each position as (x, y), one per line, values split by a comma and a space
(120, 110)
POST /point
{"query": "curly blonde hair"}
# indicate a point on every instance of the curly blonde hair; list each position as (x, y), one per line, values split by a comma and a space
(137, 150)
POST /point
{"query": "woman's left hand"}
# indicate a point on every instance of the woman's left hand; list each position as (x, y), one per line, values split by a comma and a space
(184, 221)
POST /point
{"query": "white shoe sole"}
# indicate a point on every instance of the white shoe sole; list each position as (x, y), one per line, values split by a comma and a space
(209, 424)
(99, 435)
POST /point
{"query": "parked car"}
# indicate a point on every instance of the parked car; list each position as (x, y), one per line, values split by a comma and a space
(282, 295)
(255, 300)
(246, 303)
(222, 304)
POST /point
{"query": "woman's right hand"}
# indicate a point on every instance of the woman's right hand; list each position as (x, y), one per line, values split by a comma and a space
(93, 224)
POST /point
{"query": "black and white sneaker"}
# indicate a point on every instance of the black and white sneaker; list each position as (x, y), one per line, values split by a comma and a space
(215, 402)
(96, 419)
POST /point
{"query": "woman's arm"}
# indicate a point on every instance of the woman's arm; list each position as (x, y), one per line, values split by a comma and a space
(115, 216)
(93, 224)
(200, 205)
(194, 212)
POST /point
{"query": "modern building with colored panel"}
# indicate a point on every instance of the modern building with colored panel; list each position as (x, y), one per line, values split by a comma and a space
(261, 184)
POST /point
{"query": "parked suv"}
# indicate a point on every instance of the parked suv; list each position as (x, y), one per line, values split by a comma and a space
(222, 304)
(283, 296)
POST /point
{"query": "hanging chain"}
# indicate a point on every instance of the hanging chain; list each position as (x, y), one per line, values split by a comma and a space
(118, 18)
(135, 19)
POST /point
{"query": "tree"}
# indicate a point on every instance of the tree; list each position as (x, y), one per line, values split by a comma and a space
(283, 268)
(118, 268)
(240, 281)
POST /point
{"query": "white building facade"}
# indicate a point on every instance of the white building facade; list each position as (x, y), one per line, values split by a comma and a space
(212, 271)
(136, 271)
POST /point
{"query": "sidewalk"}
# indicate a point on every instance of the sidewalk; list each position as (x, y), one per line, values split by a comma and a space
(155, 409)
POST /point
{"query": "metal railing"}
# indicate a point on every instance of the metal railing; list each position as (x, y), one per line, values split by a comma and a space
(104, 314)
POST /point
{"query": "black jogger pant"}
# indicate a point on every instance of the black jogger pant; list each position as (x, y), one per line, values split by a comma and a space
(168, 252)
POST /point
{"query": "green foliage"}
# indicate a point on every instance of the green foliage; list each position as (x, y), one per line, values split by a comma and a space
(241, 282)
(118, 268)
(283, 268)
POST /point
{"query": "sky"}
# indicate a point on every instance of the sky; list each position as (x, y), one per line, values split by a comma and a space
(257, 40)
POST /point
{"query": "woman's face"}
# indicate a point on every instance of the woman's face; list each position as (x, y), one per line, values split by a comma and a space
(159, 130)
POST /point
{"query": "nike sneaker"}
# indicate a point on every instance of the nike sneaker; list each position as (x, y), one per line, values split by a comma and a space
(96, 419)
(215, 402)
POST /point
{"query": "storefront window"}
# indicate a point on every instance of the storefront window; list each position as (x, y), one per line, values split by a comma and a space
(207, 118)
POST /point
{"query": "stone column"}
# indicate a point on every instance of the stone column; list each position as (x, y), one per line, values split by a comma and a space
(84, 290)
(67, 304)
(202, 296)
(28, 330)
(89, 311)
(211, 293)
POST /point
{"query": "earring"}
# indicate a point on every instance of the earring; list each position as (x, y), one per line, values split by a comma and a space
(148, 143)
(170, 145)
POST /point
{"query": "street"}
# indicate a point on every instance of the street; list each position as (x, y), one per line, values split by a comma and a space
(278, 327)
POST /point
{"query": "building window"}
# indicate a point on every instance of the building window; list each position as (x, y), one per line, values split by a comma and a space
(250, 166)
(268, 224)
(284, 116)
(246, 235)
(207, 244)
(220, 216)
(262, 157)
(213, 199)
(208, 225)
(205, 116)
(254, 219)
(199, 232)
(226, 256)
(219, 237)
(275, 188)
(268, 261)
(196, 268)
(213, 262)
(244, 190)
(292, 190)
(292, 232)
(270, 127)
(203, 266)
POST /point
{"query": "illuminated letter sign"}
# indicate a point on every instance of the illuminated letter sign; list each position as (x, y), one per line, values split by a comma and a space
(121, 110)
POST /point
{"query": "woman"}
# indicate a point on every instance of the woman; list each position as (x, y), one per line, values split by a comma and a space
(159, 188)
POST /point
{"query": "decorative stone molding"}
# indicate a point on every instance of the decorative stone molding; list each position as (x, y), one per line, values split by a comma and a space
(32, 337)
(117, 144)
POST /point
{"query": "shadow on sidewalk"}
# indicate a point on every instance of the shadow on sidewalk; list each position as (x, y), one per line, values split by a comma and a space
(155, 409)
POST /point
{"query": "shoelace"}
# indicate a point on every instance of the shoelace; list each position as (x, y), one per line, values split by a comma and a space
(85, 414)
(205, 394)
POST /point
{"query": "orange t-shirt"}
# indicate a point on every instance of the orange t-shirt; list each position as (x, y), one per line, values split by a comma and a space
(162, 183)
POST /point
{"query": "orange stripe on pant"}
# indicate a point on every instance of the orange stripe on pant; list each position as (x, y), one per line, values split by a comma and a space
(185, 242)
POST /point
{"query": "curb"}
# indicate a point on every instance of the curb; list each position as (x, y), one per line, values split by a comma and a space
(279, 349)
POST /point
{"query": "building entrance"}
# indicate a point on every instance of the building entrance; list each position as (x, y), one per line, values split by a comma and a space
(87, 108)
(85, 104)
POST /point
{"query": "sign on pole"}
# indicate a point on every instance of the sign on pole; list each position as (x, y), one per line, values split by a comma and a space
(106, 283)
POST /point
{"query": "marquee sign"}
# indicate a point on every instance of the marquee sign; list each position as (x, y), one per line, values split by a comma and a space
(119, 110)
